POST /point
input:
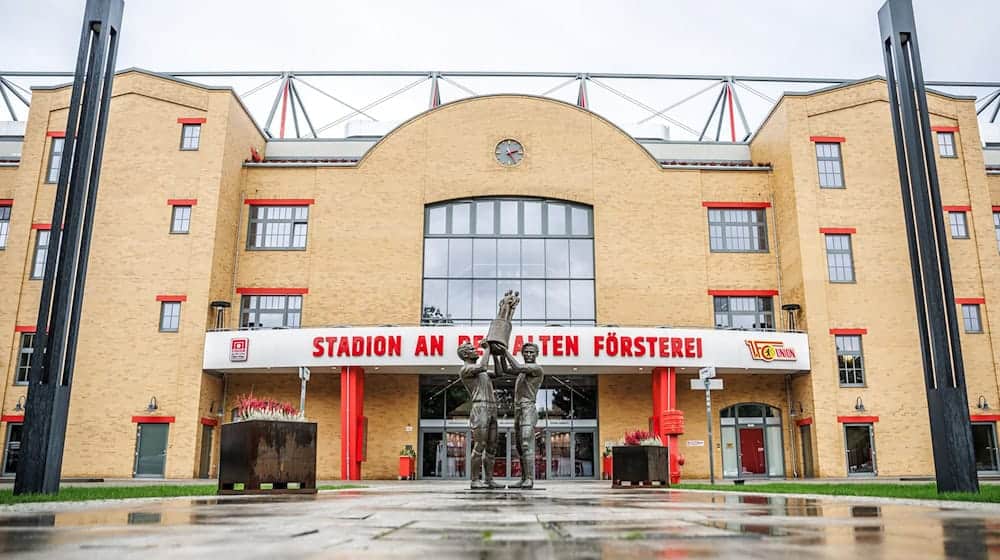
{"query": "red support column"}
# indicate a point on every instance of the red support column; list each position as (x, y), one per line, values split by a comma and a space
(352, 413)
(668, 422)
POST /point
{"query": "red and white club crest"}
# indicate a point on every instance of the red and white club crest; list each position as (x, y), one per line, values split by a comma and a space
(239, 349)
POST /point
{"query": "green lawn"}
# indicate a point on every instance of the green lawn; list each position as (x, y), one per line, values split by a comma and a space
(987, 492)
(80, 494)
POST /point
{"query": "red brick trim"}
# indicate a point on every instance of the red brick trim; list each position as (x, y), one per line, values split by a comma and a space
(6, 201)
(192, 120)
(984, 417)
(838, 230)
(857, 419)
(712, 204)
(272, 291)
(209, 421)
(970, 300)
(56, 134)
(165, 297)
(743, 292)
(12, 418)
(848, 331)
(182, 202)
(279, 201)
(41, 226)
(959, 208)
(25, 328)
(153, 419)
(944, 128)
(804, 422)
(835, 139)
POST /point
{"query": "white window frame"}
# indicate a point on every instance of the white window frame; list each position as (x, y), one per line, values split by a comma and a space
(958, 224)
(170, 322)
(190, 142)
(946, 144)
(972, 318)
(180, 224)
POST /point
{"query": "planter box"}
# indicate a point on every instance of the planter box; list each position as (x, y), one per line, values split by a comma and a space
(267, 457)
(640, 465)
(407, 467)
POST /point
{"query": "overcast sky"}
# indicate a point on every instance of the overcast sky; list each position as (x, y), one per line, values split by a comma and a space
(959, 40)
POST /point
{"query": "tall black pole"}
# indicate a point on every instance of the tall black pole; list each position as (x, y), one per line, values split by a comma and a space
(941, 350)
(51, 375)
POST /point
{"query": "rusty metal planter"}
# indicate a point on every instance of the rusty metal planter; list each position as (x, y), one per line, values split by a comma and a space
(258, 453)
(640, 465)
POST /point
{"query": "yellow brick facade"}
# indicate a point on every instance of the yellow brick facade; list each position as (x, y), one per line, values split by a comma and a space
(363, 264)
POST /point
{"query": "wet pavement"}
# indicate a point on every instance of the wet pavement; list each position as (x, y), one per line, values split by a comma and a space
(445, 520)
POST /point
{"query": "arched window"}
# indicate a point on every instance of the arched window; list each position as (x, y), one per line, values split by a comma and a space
(475, 250)
(752, 440)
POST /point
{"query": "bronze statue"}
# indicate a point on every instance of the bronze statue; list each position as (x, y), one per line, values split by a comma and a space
(529, 380)
(478, 380)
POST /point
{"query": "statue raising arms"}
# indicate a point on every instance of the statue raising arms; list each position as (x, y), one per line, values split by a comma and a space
(478, 380)
(529, 380)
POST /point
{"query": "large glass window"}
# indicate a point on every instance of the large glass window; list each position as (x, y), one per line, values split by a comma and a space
(24, 353)
(839, 259)
(4, 225)
(55, 160)
(561, 397)
(850, 360)
(742, 230)
(744, 312)
(278, 227)
(752, 441)
(831, 169)
(270, 311)
(41, 254)
(476, 250)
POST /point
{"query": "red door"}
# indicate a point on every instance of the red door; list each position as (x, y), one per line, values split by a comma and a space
(752, 450)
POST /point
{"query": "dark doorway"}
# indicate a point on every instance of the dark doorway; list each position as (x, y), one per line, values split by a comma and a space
(752, 450)
(12, 449)
(206, 451)
(151, 450)
(805, 433)
(860, 449)
(984, 442)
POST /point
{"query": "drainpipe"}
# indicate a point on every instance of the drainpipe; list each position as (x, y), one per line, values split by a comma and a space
(791, 427)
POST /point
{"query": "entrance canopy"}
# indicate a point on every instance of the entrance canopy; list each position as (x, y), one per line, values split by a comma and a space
(562, 349)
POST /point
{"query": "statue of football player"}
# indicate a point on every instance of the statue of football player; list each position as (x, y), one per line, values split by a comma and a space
(529, 380)
(478, 380)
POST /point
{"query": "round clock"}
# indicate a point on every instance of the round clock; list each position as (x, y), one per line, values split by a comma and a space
(509, 152)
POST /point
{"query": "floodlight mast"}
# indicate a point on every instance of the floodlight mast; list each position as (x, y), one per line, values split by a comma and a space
(941, 349)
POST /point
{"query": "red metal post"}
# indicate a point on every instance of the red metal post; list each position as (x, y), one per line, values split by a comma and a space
(352, 401)
(668, 422)
(732, 117)
(284, 108)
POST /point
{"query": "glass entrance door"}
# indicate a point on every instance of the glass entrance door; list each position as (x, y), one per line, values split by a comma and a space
(860, 449)
(12, 449)
(984, 442)
(151, 450)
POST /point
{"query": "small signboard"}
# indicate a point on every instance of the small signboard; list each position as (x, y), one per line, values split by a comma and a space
(696, 443)
(713, 385)
(706, 372)
(239, 349)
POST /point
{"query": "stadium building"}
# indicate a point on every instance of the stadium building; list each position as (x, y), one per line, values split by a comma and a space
(223, 261)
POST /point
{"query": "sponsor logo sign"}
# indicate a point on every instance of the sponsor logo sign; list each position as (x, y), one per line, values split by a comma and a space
(770, 350)
(239, 349)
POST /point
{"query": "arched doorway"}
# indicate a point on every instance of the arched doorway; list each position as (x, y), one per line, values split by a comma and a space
(752, 441)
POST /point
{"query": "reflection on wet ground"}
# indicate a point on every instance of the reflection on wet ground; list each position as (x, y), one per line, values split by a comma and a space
(444, 520)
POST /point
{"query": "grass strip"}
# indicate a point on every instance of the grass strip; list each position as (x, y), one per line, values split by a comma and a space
(987, 492)
(85, 493)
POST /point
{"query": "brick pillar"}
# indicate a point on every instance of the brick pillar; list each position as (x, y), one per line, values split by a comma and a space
(352, 413)
(668, 422)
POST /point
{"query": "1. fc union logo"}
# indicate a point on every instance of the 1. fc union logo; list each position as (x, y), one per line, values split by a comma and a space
(770, 350)
(239, 348)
